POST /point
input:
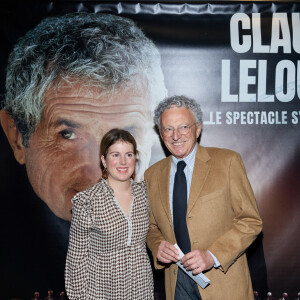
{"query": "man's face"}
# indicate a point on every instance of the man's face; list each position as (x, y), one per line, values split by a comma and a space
(180, 145)
(63, 154)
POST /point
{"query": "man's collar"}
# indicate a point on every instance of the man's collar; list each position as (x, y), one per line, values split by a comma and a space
(188, 159)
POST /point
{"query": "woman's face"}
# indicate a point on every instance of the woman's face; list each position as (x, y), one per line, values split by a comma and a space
(119, 161)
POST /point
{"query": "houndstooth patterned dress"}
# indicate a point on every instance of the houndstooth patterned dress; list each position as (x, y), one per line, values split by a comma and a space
(107, 256)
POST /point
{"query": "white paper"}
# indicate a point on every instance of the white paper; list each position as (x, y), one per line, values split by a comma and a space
(200, 278)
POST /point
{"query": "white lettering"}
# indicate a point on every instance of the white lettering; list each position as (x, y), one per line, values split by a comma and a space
(280, 24)
(225, 88)
(262, 83)
(245, 45)
(298, 79)
(254, 78)
(256, 30)
(246, 80)
(296, 31)
(290, 82)
(214, 118)
(281, 33)
(259, 117)
(295, 117)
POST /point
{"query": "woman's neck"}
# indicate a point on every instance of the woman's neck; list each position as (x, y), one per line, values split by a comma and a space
(121, 186)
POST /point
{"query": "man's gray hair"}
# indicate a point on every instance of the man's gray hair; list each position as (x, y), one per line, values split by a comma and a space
(96, 50)
(177, 101)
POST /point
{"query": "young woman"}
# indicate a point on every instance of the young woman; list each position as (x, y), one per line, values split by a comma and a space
(107, 257)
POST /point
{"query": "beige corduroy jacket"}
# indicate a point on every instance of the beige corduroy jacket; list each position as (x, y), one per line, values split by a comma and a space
(222, 217)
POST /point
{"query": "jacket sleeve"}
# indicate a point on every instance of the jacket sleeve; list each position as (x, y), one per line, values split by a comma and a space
(246, 224)
(76, 270)
(154, 236)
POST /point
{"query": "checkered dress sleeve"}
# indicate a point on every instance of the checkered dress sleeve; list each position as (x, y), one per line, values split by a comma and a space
(77, 258)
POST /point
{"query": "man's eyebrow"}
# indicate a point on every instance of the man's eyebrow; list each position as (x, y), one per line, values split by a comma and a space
(66, 122)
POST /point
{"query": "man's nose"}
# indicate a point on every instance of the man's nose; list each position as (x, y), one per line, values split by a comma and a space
(176, 135)
(88, 157)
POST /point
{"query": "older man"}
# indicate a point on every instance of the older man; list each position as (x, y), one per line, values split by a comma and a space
(69, 81)
(201, 199)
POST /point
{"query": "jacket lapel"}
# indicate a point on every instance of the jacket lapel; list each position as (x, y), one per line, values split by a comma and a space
(201, 170)
(163, 186)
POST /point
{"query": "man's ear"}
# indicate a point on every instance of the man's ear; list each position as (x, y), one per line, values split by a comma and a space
(13, 135)
(198, 129)
(161, 135)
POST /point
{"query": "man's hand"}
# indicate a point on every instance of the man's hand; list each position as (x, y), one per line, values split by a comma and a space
(167, 253)
(197, 261)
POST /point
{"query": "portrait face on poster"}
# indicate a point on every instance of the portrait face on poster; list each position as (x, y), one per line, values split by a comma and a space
(91, 80)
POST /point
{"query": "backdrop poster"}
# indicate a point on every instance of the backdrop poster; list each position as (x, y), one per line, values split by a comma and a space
(241, 62)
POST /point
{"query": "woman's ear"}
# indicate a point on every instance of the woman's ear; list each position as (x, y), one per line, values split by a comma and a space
(13, 135)
(103, 161)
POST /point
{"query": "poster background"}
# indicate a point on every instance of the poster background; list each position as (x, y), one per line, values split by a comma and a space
(193, 39)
